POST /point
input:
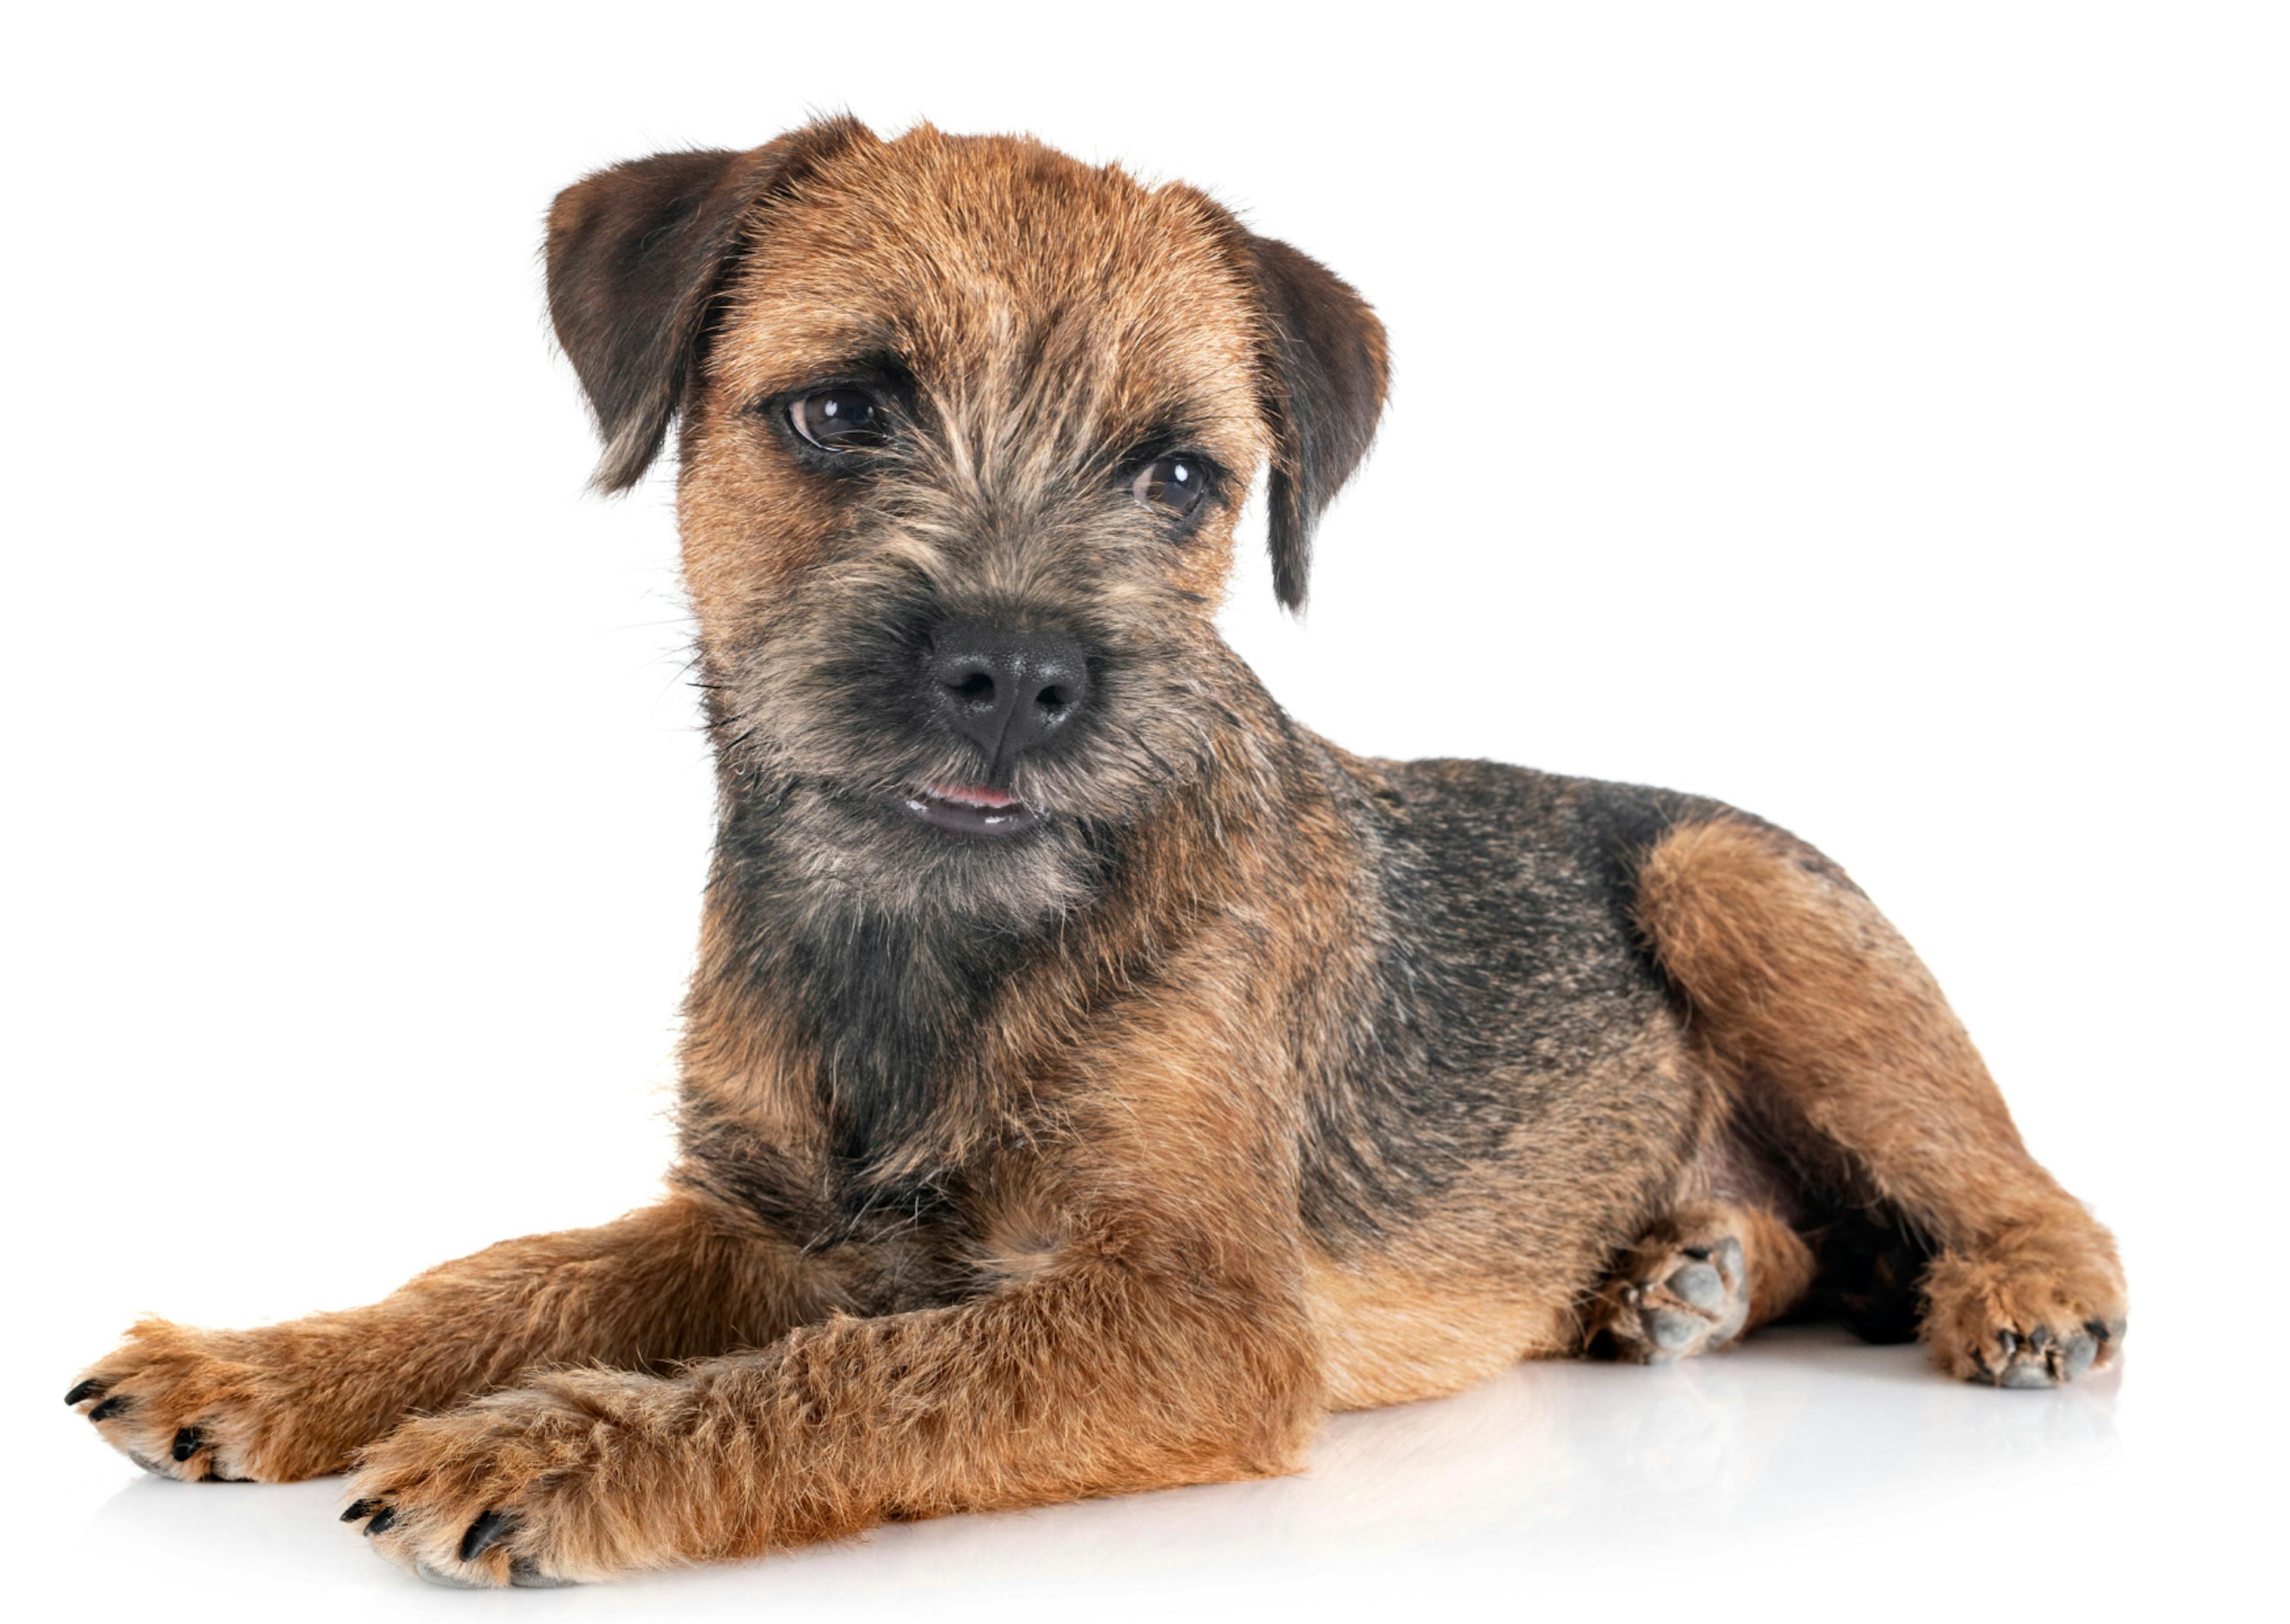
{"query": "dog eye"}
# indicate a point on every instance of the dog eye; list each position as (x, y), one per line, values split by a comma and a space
(840, 419)
(1171, 485)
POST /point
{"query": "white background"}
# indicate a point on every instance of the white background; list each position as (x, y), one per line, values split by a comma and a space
(1874, 416)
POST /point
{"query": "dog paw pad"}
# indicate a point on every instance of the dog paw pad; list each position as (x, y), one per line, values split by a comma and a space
(1673, 1301)
(1700, 1286)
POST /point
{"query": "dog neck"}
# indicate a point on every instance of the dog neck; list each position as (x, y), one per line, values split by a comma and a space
(899, 1041)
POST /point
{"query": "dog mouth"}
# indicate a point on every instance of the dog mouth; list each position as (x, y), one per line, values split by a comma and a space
(968, 809)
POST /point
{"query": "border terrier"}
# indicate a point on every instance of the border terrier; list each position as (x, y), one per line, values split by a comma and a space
(1091, 1078)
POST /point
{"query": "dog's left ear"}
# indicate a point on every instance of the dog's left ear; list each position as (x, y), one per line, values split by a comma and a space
(636, 255)
(1325, 368)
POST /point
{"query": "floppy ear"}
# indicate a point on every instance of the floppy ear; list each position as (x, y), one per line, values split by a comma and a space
(1325, 370)
(637, 254)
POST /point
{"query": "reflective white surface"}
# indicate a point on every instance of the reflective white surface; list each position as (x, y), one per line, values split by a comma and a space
(1802, 1474)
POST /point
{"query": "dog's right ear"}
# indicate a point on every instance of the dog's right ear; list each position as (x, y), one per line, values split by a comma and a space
(636, 255)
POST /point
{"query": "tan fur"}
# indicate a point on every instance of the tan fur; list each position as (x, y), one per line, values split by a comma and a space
(1389, 1333)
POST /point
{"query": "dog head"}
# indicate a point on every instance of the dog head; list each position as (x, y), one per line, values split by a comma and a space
(964, 426)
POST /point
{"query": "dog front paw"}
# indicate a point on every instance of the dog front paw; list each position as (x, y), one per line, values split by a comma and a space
(552, 1483)
(215, 1406)
(2023, 1316)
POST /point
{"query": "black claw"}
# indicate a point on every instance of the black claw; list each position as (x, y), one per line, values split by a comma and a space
(487, 1531)
(2008, 1341)
(110, 1407)
(2040, 1338)
(1701, 1254)
(187, 1442)
(361, 1507)
(382, 1519)
(86, 1390)
(2101, 1329)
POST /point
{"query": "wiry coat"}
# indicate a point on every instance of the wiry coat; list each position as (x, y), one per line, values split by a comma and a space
(1252, 1079)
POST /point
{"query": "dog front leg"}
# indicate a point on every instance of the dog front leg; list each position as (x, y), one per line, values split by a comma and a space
(1089, 1380)
(672, 1282)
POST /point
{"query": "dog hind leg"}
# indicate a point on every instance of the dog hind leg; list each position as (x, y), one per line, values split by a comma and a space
(1825, 1021)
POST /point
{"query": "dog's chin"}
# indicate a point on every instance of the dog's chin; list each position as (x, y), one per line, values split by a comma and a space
(936, 852)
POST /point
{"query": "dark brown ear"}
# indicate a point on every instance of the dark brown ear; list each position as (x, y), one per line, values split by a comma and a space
(637, 254)
(1324, 371)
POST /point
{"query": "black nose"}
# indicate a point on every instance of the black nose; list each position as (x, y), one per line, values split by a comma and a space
(1006, 692)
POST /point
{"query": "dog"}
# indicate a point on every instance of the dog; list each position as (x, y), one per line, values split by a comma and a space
(1091, 1078)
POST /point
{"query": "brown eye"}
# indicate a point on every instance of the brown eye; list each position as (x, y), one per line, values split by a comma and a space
(840, 419)
(1171, 485)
